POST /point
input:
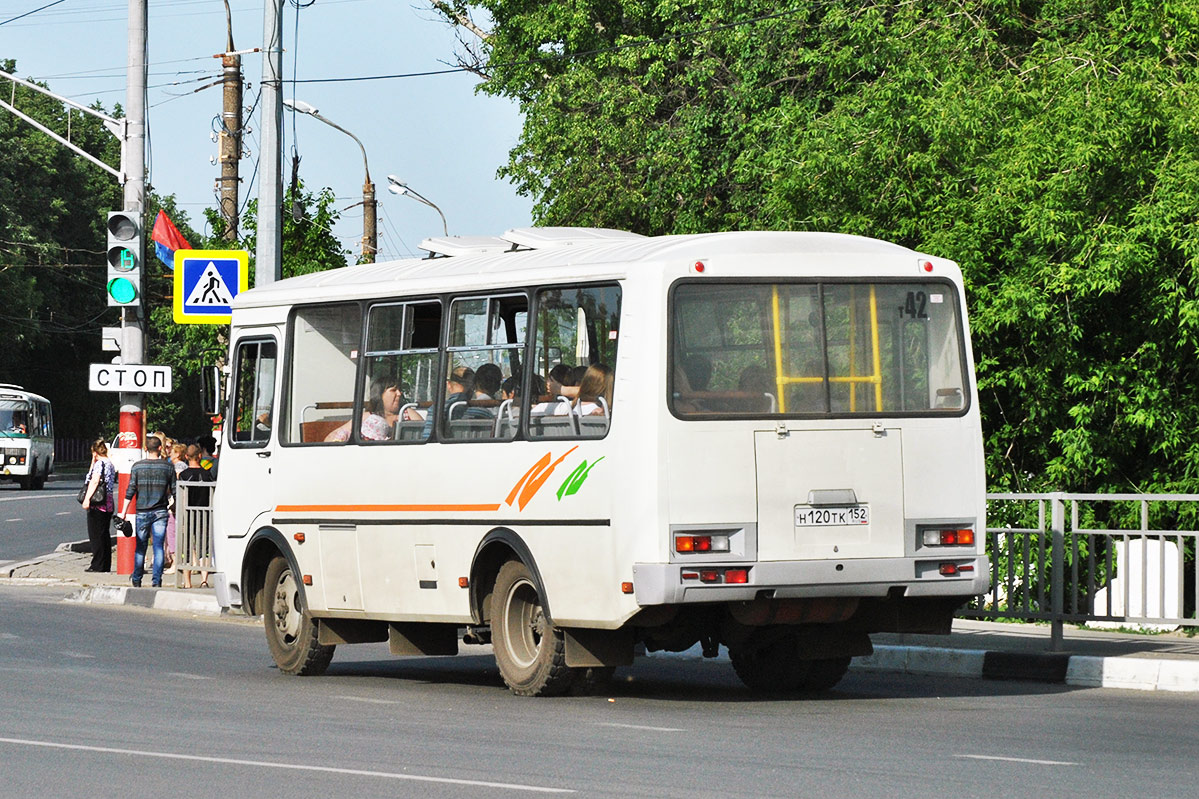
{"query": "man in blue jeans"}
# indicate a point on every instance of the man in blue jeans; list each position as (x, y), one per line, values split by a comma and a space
(152, 484)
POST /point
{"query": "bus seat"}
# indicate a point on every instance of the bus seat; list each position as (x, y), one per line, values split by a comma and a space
(316, 431)
(409, 431)
(470, 428)
(565, 426)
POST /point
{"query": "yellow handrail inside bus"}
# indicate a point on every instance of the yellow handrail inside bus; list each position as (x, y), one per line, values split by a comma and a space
(782, 379)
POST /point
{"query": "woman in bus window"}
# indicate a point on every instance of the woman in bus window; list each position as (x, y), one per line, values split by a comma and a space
(379, 416)
(597, 383)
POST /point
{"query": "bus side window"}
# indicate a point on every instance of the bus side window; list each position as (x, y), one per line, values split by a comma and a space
(324, 365)
(576, 328)
(401, 354)
(254, 387)
(487, 337)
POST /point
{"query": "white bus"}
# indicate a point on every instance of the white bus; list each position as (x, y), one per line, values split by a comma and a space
(776, 448)
(26, 437)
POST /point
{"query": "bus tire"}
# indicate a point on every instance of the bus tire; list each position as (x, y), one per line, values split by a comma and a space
(529, 651)
(770, 664)
(826, 673)
(291, 634)
(38, 480)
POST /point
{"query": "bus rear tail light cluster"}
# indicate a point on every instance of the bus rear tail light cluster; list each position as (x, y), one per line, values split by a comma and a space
(954, 569)
(701, 543)
(948, 538)
(726, 576)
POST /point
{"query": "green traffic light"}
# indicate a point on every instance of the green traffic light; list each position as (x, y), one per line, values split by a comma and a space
(122, 290)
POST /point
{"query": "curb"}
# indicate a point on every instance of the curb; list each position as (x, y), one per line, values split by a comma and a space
(1079, 671)
(148, 598)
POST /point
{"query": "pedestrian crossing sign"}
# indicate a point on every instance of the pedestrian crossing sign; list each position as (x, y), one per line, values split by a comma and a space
(206, 281)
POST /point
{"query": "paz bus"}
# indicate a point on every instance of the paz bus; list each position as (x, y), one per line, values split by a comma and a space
(766, 441)
(26, 437)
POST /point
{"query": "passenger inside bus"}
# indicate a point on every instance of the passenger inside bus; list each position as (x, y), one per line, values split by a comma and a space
(487, 382)
(18, 423)
(381, 412)
(594, 396)
(756, 382)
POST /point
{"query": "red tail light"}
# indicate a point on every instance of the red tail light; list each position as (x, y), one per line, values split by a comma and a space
(736, 575)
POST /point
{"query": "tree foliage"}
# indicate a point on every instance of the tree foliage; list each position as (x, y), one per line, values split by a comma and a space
(52, 237)
(1049, 147)
(53, 208)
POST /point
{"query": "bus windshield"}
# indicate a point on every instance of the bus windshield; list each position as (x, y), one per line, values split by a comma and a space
(816, 349)
(14, 418)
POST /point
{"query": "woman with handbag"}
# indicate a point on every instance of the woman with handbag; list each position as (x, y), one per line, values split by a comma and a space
(99, 503)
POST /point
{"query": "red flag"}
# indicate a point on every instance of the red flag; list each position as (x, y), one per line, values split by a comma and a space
(167, 239)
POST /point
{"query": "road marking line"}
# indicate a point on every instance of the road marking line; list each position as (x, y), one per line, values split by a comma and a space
(63, 513)
(43, 495)
(77, 655)
(230, 761)
(368, 701)
(186, 676)
(640, 727)
(14, 520)
(1020, 760)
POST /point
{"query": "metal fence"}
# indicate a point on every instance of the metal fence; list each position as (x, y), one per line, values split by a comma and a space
(193, 528)
(1126, 559)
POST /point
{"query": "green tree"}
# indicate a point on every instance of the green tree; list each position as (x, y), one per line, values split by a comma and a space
(1049, 147)
(52, 272)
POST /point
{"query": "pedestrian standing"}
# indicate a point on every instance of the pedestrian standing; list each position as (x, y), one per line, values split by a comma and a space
(151, 485)
(99, 516)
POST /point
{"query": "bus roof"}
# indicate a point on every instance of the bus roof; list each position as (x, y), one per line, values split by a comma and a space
(521, 252)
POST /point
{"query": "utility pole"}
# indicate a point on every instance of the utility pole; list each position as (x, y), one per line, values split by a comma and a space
(133, 347)
(230, 135)
(370, 236)
(268, 258)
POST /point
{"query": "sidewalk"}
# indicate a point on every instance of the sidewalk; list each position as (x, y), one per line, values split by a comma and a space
(978, 649)
(66, 567)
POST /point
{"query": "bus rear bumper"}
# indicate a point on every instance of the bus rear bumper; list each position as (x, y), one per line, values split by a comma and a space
(675, 583)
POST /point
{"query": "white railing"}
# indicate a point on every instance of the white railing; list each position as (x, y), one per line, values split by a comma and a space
(1125, 559)
(193, 528)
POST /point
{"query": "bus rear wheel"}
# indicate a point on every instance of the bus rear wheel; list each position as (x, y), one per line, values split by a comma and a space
(291, 634)
(772, 663)
(529, 651)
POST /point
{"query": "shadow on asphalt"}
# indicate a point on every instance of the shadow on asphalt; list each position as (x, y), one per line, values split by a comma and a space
(671, 680)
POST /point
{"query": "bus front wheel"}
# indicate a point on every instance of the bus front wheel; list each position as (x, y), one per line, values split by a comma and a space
(291, 634)
(529, 650)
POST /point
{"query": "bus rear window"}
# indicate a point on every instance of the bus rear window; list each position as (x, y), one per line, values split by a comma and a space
(816, 349)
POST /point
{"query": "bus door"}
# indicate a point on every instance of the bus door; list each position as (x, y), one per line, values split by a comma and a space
(249, 432)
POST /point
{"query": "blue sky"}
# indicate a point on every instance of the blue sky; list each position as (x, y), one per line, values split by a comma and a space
(435, 132)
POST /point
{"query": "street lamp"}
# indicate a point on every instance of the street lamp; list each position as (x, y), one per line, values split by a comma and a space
(397, 186)
(370, 239)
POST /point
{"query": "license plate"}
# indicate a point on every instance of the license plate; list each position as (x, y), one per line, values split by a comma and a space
(832, 517)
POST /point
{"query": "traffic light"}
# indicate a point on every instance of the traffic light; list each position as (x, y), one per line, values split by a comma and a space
(124, 284)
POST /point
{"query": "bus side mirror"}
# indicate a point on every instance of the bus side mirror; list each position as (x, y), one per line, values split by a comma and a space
(211, 386)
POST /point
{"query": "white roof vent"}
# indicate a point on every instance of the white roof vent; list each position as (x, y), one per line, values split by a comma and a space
(539, 238)
(466, 245)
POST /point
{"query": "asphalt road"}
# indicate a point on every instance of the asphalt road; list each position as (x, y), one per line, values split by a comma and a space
(116, 701)
(33, 523)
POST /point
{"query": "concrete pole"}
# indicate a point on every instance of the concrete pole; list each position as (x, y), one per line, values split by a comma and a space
(230, 143)
(268, 257)
(370, 236)
(133, 348)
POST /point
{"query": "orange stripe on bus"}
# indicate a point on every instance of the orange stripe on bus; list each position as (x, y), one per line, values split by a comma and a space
(381, 508)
